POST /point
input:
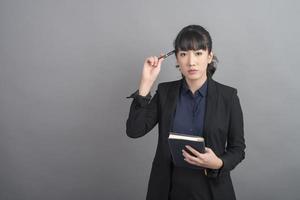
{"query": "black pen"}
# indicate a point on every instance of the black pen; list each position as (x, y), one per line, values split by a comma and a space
(166, 55)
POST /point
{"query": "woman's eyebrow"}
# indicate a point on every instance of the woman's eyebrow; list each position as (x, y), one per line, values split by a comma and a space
(191, 50)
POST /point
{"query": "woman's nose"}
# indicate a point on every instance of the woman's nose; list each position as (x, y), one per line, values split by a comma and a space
(191, 60)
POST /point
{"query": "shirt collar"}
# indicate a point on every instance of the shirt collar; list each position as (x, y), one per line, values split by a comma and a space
(201, 91)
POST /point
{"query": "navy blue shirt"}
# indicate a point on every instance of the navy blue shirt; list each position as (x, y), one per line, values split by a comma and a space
(190, 110)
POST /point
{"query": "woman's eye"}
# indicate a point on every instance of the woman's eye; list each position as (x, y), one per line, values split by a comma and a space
(182, 54)
(198, 53)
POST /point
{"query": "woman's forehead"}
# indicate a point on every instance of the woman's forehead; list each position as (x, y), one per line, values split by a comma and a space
(192, 45)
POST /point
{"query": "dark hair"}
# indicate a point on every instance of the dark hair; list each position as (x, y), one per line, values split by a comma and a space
(195, 37)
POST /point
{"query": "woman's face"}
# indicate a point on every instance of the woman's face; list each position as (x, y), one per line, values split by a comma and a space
(193, 64)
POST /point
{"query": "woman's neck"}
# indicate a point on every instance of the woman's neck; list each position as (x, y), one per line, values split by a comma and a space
(194, 85)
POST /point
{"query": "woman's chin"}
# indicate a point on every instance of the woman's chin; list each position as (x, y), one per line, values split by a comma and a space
(194, 77)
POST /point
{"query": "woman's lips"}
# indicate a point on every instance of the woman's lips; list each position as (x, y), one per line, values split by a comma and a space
(192, 71)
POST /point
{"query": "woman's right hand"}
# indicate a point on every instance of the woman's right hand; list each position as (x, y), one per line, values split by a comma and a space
(150, 73)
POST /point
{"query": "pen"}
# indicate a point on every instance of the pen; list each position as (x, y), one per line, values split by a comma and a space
(166, 55)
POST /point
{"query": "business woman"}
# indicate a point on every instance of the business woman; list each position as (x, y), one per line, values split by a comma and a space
(196, 105)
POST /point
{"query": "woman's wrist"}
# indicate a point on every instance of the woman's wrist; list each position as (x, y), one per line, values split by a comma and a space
(219, 163)
(145, 87)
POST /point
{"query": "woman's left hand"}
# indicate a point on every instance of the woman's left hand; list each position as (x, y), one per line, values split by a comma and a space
(206, 160)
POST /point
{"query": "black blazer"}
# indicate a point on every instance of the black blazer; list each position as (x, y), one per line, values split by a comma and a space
(223, 133)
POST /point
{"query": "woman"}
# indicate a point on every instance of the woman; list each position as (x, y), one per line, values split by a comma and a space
(195, 105)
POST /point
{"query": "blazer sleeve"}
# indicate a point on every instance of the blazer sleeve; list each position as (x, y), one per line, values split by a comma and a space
(143, 115)
(235, 149)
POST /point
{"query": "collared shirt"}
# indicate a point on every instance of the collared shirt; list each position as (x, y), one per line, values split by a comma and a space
(190, 110)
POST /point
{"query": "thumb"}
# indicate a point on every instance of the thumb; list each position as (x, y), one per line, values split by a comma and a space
(161, 54)
(161, 59)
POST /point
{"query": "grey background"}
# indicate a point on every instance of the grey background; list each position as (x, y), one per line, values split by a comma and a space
(67, 66)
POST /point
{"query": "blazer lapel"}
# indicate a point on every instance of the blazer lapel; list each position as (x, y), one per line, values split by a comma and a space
(172, 97)
(211, 105)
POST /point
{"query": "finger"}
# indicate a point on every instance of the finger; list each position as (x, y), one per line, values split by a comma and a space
(161, 55)
(155, 60)
(191, 162)
(161, 59)
(189, 156)
(150, 60)
(186, 154)
(194, 151)
(209, 150)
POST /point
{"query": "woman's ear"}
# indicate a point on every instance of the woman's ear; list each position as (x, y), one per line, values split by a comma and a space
(210, 57)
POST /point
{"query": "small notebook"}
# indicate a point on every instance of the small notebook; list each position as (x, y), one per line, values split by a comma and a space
(177, 142)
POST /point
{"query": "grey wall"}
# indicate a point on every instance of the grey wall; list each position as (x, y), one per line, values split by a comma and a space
(67, 66)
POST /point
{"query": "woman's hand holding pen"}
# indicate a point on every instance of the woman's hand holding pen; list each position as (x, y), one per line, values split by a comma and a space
(206, 160)
(150, 73)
